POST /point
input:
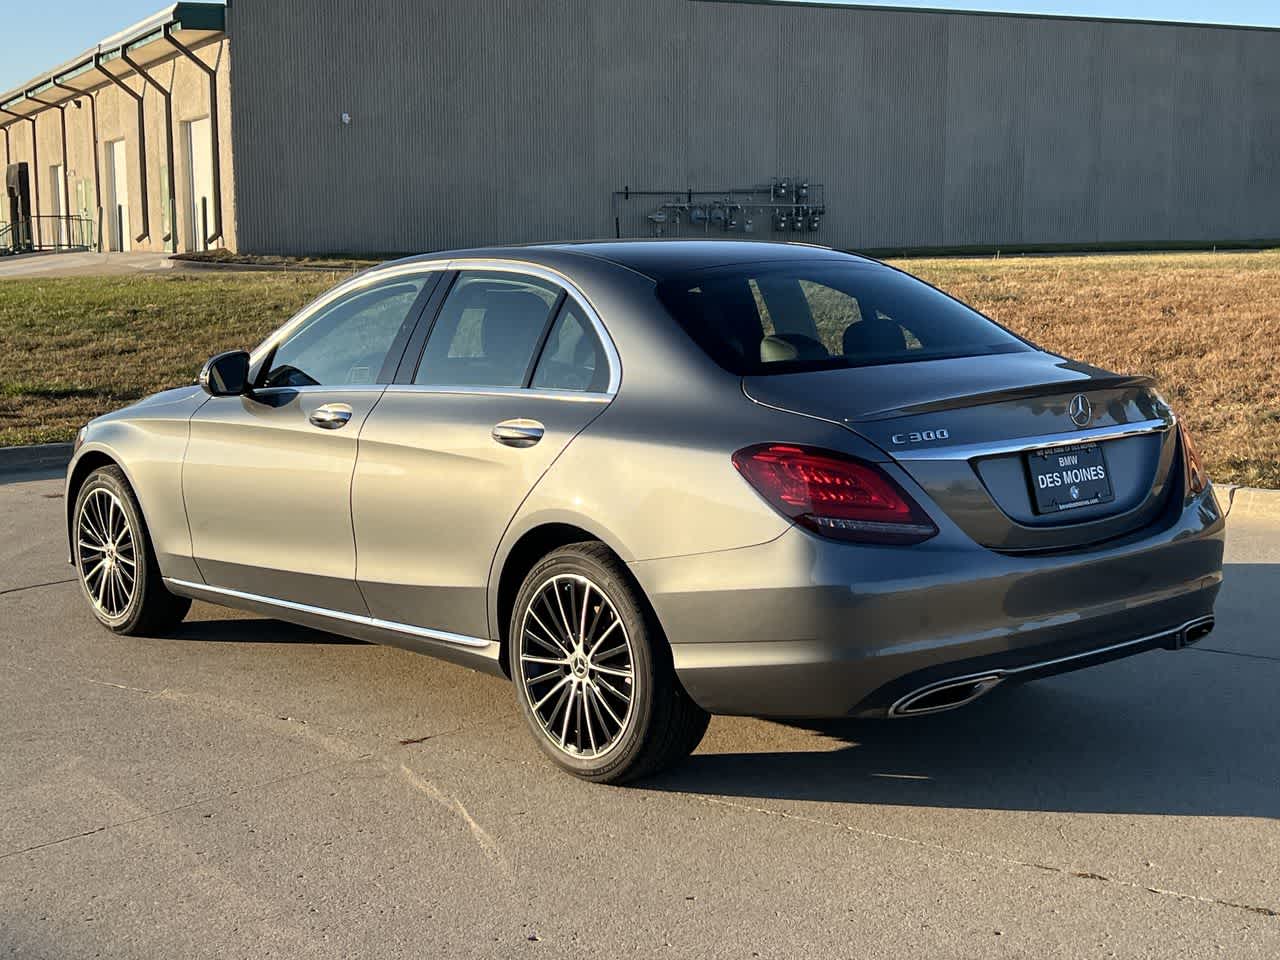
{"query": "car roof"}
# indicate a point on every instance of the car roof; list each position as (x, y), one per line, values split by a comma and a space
(657, 259)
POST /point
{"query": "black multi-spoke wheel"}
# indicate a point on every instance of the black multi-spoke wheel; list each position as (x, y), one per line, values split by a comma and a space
(115, 560)
(593, 672)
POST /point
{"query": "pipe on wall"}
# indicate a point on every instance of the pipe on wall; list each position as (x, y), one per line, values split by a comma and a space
(97, 173)
(212, 74)
(142, 145)
(62, 122)
(166, 96)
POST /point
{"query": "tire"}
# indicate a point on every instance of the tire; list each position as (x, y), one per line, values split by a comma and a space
(115, 560)
(610, 709)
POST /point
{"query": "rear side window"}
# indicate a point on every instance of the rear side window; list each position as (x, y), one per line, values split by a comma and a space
(767, 318)
(573, 358)
(488, 331)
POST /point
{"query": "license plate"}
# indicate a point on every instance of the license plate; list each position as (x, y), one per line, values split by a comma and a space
(1067, 478)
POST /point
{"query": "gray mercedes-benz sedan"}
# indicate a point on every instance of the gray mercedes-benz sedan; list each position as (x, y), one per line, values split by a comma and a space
(653, 481)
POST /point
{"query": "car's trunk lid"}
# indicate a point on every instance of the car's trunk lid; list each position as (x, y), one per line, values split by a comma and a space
(966, 430)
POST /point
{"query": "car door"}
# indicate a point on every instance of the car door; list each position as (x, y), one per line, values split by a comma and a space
(267, 476)
(514, 366)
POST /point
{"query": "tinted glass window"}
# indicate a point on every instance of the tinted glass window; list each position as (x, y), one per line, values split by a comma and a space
(487, 331)
(573, 358)
(347, 342)
(780, 318)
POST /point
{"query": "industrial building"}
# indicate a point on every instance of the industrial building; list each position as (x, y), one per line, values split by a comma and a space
(327, 126)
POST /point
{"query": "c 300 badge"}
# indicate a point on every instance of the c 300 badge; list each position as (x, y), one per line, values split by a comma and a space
(922, 436)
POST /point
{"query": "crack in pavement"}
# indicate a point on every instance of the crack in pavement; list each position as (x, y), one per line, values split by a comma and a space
(36, 586)
(180, 807)
(1236, 653)
(992, 857)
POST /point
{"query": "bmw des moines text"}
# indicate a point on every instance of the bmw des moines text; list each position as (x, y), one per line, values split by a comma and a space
(653, 481)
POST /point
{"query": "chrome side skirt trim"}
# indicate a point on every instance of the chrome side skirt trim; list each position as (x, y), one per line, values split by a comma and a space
(974, 451)
(421, 632)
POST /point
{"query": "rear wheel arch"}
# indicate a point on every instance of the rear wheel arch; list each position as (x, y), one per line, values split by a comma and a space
(531, 547)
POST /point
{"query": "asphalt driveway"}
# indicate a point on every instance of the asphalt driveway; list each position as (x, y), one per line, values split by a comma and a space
(252, 789)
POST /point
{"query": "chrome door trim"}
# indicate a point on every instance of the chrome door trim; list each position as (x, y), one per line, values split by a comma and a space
(403, 628)
(519, 432)
(322, 388)
(331, 416)
(563, 281)
(975, 451)
(573, 396)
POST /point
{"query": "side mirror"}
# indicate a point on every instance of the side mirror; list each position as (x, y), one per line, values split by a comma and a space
(226, 375)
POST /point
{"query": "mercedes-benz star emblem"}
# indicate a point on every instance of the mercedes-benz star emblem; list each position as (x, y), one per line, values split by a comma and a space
(1080, 411)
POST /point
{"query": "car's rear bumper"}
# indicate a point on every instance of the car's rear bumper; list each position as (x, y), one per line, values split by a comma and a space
(804, 627)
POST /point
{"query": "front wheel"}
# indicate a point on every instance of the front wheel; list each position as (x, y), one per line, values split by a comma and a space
(593, 673)
(116, 562)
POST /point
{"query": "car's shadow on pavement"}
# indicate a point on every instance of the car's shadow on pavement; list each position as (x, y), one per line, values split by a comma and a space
(1043, 746)
(1189, 733)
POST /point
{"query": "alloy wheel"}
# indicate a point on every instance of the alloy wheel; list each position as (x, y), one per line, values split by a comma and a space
(106, 553)
(577, 666)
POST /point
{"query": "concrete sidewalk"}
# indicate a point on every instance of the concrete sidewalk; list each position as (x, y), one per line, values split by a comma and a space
(82, 264)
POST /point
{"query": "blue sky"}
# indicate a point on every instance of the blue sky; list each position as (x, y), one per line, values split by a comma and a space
(41, 35)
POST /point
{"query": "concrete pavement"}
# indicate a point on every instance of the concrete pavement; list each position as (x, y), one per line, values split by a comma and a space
(83, 264)
(254, 789)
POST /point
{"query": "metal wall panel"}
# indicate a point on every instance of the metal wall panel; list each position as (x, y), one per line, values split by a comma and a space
(477, 121)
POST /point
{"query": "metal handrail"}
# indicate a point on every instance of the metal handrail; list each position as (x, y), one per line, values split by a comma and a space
(47, 232)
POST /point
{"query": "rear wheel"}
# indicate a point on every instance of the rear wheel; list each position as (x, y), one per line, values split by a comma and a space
(115, 559)
(593, 673)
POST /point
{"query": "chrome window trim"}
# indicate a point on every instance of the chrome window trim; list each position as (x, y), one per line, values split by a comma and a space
(572, 396)
(456, 639)
(571, 288)
(322, 388)
(978, 451)
(367, 278)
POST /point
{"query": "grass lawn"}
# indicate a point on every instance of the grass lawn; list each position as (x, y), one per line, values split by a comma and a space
(1207, 326)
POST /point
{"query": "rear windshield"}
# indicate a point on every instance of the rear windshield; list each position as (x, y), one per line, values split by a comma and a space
(787, 317)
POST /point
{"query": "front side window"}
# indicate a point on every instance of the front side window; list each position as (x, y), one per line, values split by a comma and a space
(767, 318)
(347, 342)
(488, 331)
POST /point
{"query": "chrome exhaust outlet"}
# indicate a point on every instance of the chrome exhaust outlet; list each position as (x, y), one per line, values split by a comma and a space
(1190, 633)
(946, 695)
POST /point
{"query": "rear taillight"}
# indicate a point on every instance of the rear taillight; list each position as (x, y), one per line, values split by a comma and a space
(834, 495)
(1197, 479)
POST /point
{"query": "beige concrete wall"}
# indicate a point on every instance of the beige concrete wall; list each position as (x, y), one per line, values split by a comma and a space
(162, 228)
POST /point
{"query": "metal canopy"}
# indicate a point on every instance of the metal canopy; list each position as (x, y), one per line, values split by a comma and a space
(144, 44)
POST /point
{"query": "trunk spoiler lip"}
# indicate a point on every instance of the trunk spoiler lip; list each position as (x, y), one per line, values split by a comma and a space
(983, 450)
(1096, 381)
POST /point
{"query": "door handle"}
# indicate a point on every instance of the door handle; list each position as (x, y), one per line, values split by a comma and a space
(331, 416)
(518, 433)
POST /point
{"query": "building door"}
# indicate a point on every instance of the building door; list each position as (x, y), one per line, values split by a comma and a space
(59, 226)
(116, 213)
(199, 175)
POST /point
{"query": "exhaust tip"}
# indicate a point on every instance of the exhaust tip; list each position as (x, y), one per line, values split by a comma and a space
(947, 695)
(1196, 632)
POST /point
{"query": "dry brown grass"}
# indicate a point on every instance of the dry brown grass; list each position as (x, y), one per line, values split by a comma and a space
(1207, 326)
